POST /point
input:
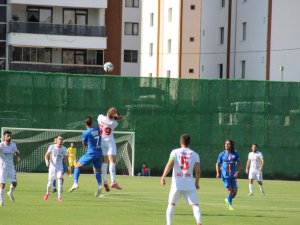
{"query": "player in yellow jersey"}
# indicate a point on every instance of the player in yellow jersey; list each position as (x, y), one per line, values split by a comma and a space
(72, 154)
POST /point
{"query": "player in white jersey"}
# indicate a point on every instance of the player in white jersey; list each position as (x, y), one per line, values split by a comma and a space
(256, 164)
(183, 161)
(54, 160)
(8, 150)
(107, 124)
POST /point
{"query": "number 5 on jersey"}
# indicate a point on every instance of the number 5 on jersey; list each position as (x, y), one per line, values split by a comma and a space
(184, 163)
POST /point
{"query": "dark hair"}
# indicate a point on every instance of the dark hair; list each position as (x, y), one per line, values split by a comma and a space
(185, 139)
(88, 121)
(256, 145)
(231, 144)
(113, 113)
(7, 132)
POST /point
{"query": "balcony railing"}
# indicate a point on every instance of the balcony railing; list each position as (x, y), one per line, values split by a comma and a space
(57, 29)
(64, 68)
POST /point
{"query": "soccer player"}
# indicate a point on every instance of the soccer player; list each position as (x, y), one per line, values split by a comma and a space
(107, 124)
(8, 150)
(54, 181)
(183, 161)
(54, 160)
(91, 138)
(256, 164)
(230, 163)
(72, 152)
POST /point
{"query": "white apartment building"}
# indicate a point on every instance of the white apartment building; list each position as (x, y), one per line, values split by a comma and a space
(170, 41)
(53, 36)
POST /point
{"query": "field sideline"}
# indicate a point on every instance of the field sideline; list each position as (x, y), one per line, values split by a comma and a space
(143, 202)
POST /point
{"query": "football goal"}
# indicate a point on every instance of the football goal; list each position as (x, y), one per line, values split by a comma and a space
(33, 144)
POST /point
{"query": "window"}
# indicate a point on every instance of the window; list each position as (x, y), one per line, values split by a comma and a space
(71, 56)
(2, 49)
(3, 2)
(2, 32)
(169, 46)
(131, 56)
(131, 28)
(39, 15)
(221, 35)
(132, 3)
(151, 19)
(244, 31)
(243, 65)
(75, 16)
(192, 39)
(222, 3)
(193, 7)
(168, 73)
(3, 14)
(43, 55)
(220, 71)
(191, 70)
(2, 64)
(151, 49)
(170, 15)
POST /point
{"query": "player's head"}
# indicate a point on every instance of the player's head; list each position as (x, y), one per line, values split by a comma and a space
(88, 121)
(185, 140)
(59, 140)
(55, 140)
(72, 144)
(254, 147)
(229, 144)
(112, 113)
(7, 136)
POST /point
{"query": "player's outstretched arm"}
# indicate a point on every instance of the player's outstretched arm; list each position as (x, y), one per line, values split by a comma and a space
(167, 169)
(197, 174)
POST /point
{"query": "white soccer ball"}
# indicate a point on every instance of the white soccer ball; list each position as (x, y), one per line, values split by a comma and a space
(108, 67)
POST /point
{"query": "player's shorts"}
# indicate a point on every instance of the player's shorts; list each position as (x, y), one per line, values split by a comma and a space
(255, 175)
(7, 174)
(230, 182)
(190, 196)
(94, 157)
(55, 173)
(108, 147)
(72, 162)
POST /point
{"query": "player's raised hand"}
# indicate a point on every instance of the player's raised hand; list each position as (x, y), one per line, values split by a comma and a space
(163, 181)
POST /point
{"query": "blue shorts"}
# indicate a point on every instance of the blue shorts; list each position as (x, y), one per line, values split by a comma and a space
(230, 182)
(94, 157)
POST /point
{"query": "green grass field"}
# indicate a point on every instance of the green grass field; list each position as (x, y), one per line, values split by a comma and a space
(143, 202)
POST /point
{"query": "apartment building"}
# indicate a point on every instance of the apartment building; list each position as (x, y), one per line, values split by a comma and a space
(170, 41)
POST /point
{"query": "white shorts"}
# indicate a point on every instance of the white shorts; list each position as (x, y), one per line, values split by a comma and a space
(7, 174)
(108, 147)
(255, 175)
(190, 196)
(55, 173)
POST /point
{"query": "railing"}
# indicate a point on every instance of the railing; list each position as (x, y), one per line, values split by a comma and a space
(57, 29)
(65, 68)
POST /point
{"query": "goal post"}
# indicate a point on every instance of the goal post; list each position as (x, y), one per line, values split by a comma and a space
(34, 142)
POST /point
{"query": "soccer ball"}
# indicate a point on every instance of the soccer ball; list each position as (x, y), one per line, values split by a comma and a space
(108, 67)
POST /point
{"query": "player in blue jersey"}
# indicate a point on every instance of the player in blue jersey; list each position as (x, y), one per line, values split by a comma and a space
(230, 163)
(91, 138)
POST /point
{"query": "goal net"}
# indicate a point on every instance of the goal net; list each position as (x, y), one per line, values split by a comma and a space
(33, 144)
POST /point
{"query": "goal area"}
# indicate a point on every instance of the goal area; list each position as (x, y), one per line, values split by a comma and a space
(33, 144)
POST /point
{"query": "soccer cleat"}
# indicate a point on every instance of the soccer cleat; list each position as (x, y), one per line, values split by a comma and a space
(230, 208)
(60, 199)
(11, 196)
(226, 202)
(250, 194)
(54, 190)
(46, 196)
(98, 192)
(73, 188)
(1, 204)
(116, 186)
(105, 184)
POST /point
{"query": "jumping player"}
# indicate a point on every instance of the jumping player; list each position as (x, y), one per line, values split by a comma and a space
(8, 150)
(230, 163)
(54, 157)
(183, 161)
(256, 164)
(107, 124)
(92, 139)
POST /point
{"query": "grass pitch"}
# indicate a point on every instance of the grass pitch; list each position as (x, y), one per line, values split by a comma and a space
(143, 201)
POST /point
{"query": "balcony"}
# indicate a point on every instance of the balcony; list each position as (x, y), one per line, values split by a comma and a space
(64, 68)
(57, 29)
